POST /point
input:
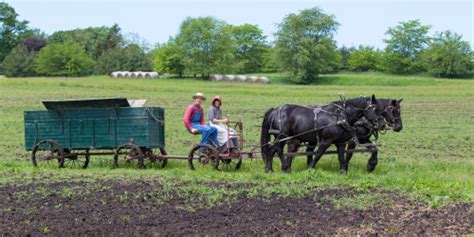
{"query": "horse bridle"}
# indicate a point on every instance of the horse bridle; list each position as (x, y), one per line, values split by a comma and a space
(370, 106)
(389, 115)
(373, 126)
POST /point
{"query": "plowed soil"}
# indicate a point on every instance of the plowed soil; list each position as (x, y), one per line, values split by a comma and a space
(114, 208)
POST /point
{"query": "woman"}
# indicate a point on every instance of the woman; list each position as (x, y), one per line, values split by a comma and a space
(214, 116)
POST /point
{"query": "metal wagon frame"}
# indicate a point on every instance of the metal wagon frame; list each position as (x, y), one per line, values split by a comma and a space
(230, 158)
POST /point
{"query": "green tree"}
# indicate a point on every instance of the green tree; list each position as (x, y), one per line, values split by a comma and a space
(269, 60)
(134, 38)
(365, 58)
(19, 63)
(344, 53)
(95, 40)
(169, 58)
(130, 58)
(207, 44)
(305, 45)
(64, 59)
(405, 43)
(250, 47)
(11, 29)
(113, 39)
(448, 55)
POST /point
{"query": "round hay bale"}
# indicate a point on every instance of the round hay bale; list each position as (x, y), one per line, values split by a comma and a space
(216, 77)
(228, 78)
(140, 74)
(133, 74)
(154, 74)
(262, 80)
(251, 79)
(114, 74)
(125, 74)
(240, 78)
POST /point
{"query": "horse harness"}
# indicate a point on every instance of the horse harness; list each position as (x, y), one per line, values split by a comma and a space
(341, 120)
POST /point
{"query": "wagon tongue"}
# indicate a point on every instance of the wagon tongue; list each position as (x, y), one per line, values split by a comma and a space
(90, 103)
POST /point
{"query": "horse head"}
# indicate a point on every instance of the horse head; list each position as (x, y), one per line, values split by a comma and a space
(357, 108)
(392, 115)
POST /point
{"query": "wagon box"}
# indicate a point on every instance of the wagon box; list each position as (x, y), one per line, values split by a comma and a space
(75, 125)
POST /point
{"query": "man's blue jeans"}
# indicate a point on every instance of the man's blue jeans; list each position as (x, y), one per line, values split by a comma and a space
(209, 134)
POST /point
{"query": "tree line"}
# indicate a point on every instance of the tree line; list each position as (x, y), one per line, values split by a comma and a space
(304, 47)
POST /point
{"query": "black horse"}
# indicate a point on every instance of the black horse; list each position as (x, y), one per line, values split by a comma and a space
(389, 111)
(326, 125)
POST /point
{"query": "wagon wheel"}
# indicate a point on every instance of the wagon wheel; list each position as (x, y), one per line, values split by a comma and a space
(154, 161)
(45, 152)
(201, 155)
(230, 164)
(74, 160)
(131, 154)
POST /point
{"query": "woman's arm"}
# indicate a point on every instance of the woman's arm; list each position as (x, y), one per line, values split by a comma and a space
(210, 115)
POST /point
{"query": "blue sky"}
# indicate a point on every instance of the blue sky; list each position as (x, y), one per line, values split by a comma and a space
(362, 22)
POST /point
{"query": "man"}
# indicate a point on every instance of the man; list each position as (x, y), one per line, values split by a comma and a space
(194, 121)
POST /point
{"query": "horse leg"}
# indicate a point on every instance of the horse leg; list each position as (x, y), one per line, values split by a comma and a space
(373, 158)
(292, 147)
(341, 152)
(350, 146)
(281, 154)
(321, 149)
(309, 158)
(268, 158)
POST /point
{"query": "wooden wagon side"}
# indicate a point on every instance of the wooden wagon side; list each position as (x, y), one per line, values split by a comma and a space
(71, 131)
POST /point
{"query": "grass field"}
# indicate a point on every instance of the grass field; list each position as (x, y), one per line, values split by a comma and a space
(423, 185)
(431, 159)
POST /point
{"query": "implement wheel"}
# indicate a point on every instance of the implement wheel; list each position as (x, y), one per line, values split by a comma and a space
(46, 152)
(131, 154)
(229, 164)
(73, 160)
(201, 155)
(154, 161)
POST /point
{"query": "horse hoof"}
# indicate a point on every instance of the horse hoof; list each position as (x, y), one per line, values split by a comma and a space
(370, 168)
(343, 171)
(268, 171)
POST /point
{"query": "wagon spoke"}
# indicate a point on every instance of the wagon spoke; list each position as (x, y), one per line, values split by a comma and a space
(202, 155)
(129, 155)
(45, 151)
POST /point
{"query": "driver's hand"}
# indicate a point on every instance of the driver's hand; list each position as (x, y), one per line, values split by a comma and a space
(226, 120)
(193, 130)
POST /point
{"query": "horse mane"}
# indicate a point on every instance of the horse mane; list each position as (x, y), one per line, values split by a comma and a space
(383, 102)
(356, 102)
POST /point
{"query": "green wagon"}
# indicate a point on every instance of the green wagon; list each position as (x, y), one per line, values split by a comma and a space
(69, 132)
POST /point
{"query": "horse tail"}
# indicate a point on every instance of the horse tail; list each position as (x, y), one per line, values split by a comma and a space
(265, 134)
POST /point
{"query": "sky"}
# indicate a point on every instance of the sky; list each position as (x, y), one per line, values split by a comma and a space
(363, 22)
